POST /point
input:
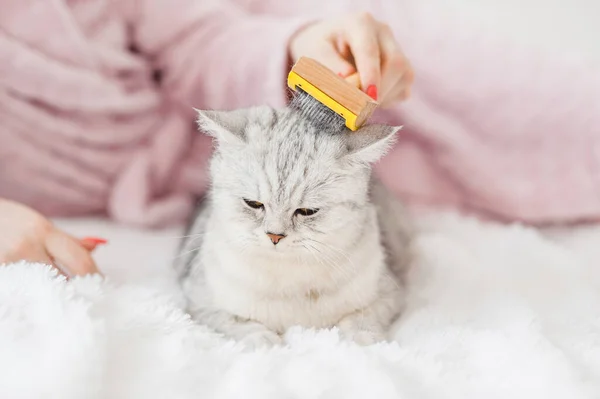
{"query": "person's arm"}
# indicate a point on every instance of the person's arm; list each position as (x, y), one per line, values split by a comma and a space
(213, 54)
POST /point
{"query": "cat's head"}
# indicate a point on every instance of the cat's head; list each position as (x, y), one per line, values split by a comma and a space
(284, 184)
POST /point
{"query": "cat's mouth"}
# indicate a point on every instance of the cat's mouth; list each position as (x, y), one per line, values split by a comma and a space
(285, 247)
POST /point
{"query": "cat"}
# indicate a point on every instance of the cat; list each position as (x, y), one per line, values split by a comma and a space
(295, 230)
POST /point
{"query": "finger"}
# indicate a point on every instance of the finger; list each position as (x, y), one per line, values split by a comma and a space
(391, 84)
(394, 91)
(409, 76)
(90, 243)
(393, 95)
(353, 79)
(398, 93)
(344, 50)
(404, 88)
(394, 64)
(329, 56)
(364, 45)
(61, 269)
(35, 255)
(69, 253)
(391, 53)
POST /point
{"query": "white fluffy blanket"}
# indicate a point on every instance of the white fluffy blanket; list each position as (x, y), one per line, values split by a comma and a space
(494, 312)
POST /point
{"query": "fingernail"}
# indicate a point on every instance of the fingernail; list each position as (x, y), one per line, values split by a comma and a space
(341, 75)
(372, 92)
(96, 240)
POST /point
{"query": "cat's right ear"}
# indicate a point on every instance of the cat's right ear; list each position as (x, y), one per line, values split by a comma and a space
(226, 126)
(370, 142)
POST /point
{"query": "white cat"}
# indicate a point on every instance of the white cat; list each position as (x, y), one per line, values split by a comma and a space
(295, 231)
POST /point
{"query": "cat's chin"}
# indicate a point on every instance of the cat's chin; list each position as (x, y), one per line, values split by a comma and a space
(279, 252)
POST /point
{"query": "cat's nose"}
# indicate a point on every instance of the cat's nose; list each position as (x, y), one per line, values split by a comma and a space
(275, 238)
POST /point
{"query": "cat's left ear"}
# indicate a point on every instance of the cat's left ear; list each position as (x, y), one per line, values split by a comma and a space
(226, 126)
(369, 143)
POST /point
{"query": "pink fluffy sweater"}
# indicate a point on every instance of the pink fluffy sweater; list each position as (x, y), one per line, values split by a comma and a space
(96, 102)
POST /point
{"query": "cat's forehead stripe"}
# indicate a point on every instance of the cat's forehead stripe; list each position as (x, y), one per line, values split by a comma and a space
(293, 156)
(294, 148)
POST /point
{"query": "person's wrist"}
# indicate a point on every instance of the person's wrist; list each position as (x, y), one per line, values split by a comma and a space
(294, 53)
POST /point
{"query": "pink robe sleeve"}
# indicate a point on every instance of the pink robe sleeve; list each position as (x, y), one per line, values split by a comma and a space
(206, 54)
(494, 127)
(215, 54)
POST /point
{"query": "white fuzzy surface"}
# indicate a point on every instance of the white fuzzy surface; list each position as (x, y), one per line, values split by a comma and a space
(494, 312)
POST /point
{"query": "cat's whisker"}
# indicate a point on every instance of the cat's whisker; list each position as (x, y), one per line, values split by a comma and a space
(186, 236)
(337, 250)
(186, 253)
(330, 258)
(330, 261)
(347, 274)
(244, 244)
(321, 261)
(386, 275)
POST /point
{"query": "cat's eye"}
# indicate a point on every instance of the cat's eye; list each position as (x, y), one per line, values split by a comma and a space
(305, 211)
(254, 204)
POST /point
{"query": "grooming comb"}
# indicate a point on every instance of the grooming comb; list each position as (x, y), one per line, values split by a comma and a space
(342, 96)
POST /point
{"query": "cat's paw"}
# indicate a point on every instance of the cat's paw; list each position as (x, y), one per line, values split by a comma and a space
(261, 339)
(364, 337)
(354, 330)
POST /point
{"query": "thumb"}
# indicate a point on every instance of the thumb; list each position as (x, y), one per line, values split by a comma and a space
(333, 60)
(69, 253)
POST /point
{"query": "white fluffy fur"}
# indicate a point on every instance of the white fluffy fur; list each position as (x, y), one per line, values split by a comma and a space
(492, 312)
(330, 269)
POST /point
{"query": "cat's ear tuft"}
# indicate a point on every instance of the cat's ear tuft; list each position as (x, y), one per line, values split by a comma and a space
(371, 142)
(226, 126)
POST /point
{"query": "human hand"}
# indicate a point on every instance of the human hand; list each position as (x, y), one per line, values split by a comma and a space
(358, 43)
(27, 235)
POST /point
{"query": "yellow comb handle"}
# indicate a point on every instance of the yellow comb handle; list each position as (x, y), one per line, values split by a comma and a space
(295, 80)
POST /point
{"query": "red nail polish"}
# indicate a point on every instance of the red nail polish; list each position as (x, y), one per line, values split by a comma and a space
(96, 240)
(372, 92)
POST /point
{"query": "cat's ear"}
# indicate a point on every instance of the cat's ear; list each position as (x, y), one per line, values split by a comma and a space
(369, 143)
(226, 126)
